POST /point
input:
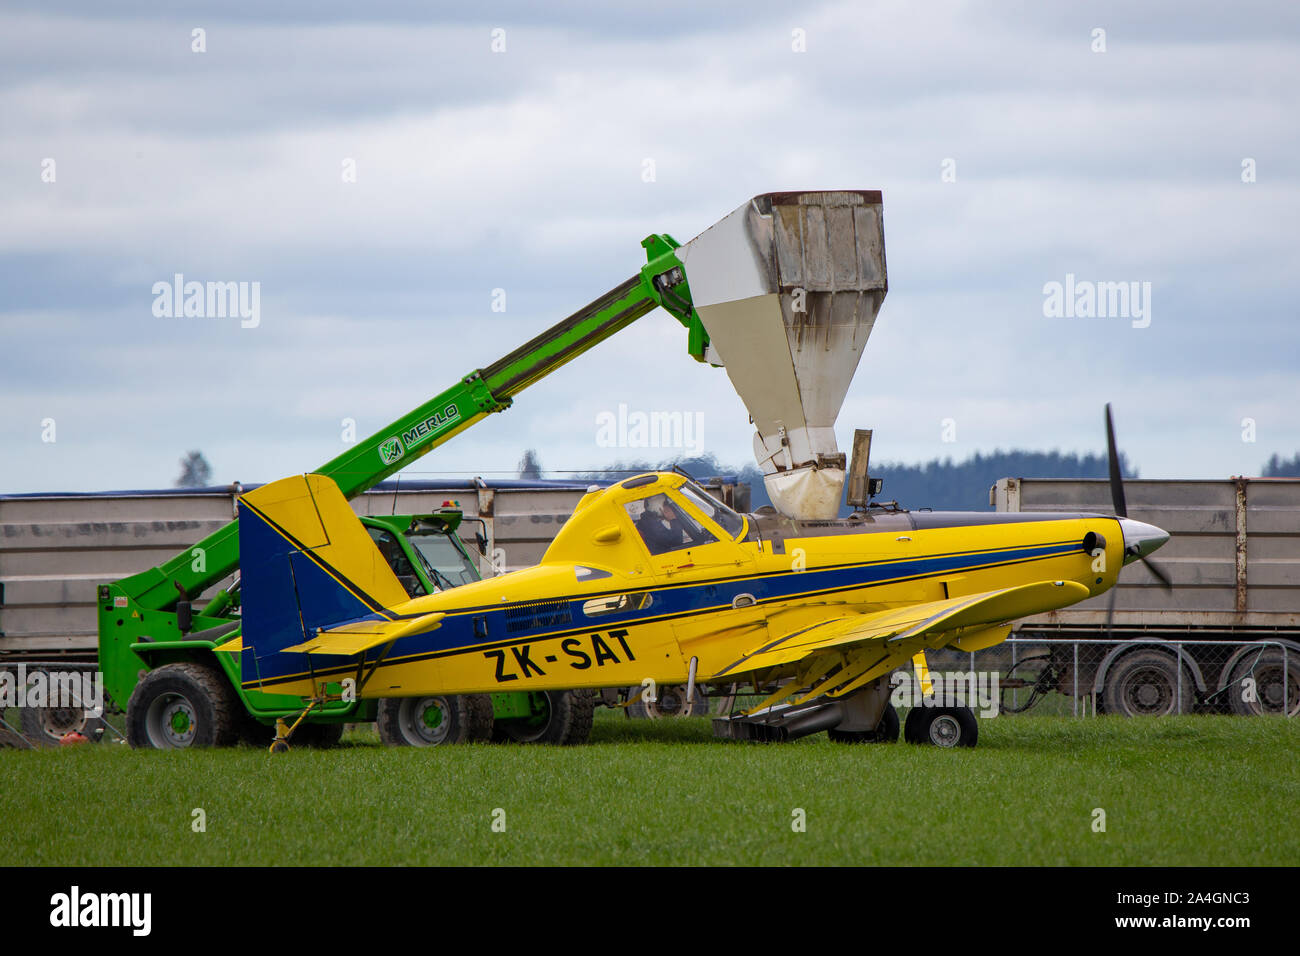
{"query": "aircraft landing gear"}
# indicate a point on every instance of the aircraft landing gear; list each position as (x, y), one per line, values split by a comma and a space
(941, 726)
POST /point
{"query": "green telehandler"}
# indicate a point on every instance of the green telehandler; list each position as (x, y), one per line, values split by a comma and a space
(156, 647)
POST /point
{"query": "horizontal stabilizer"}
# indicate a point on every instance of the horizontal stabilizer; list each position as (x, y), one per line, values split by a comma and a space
(351, 639)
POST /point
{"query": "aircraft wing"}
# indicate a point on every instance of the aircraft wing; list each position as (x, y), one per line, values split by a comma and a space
(978, 612)
(360, 636)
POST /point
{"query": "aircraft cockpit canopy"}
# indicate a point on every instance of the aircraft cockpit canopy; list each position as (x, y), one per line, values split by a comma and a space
(664, 526)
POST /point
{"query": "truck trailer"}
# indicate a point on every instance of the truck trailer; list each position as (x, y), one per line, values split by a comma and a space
(1224, 637)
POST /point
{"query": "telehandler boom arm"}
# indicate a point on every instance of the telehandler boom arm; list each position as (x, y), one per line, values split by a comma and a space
(661, 282)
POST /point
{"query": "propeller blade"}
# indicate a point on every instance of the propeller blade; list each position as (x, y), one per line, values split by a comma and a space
(1160, 574)
(1112, 459)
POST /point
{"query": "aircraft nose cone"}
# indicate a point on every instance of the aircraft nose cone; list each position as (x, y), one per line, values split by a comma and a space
(1140, 538)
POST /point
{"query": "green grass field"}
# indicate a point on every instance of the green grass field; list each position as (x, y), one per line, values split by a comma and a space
(1176, 791)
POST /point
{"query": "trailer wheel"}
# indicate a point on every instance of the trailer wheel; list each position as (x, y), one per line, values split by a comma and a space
(1273, 692)
(942, 726)
(670, 702)
(1146, 684)
(431, 721)
(45, 726)
(565, 719)
(886, 731)
(182, 705)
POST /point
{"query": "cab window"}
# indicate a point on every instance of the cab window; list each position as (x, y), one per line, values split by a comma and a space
(665, 527)
(444, 563)
(397, 560)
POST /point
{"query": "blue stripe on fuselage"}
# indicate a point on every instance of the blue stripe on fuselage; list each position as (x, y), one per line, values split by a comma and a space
(457, 630)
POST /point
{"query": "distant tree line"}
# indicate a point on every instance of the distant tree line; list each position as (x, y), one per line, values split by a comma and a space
(1278, 467)
(939, 484)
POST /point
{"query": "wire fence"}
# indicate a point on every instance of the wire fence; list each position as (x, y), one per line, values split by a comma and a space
(1073, 677)
(1135, 677)
(43, 704)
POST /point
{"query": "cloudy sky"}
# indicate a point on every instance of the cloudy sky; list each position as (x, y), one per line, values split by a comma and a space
(1012, 151)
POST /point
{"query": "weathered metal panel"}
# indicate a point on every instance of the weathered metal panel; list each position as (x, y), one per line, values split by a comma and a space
(55, 549)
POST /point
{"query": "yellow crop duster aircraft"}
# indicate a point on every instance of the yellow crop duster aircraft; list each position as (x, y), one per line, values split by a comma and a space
(651, 579)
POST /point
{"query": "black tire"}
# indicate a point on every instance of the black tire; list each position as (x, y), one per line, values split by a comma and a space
(253, 732)
(1272, 696)
(566, 720)
(942, 727)
(180, 706)
(1146, 684)
(886, 731)
(45, 726)
(670, 701)
(316, 736)
(435, 720)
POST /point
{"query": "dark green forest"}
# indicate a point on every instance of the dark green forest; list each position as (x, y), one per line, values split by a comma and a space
(939, 484)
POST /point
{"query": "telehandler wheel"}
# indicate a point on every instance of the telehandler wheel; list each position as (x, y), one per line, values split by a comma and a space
(431, 721)
(182, 705)
(942, 726)
(565, 719)
(886, 731)
(45, 726)
(1146, 684)
(1271, 692)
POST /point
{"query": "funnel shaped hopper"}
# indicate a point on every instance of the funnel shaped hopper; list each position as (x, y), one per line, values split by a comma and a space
(788, 287)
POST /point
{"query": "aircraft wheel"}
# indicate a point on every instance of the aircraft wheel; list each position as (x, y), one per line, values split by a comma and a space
(886, 731)
(1145, 684)
(670, 702)
(180, 706)
(942, 726)
(565, 719)
(1273, 692)
(436, 720)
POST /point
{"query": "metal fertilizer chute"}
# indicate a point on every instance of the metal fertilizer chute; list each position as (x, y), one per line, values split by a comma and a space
(788, 287)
